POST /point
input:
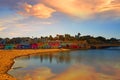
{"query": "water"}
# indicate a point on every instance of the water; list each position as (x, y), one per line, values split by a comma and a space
(101, 64)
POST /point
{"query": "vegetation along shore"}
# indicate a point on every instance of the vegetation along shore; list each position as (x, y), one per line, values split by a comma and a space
(59, 41)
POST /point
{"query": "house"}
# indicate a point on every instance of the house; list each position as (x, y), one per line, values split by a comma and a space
(2, 46)
(74, 46)
(83, 44)
(46, 45)
(34, 46)
(60, 37)
(40, 44)
(54, 44)
(71, 45)
(9, 46)
(24, 45)
(16, 46)
(65, 44)
(3, 41)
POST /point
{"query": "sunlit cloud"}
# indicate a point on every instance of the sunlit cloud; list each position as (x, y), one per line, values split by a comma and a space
(17, 26)
(13, 34)
(38, 10)
(14, 19)
(84, 8)
(46, 23)
(46, 17)
(2, 28)
(77, 8)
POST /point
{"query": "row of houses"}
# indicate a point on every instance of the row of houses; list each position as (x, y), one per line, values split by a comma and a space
(45, 45)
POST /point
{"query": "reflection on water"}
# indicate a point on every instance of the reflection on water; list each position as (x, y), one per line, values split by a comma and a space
(75, 65)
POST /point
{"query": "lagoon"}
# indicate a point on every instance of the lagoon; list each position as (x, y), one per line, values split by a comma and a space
(99, 64)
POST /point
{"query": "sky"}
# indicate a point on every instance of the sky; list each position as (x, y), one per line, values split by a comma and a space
(27, 18)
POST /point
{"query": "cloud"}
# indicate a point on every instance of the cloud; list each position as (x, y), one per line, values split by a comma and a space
(78, 8)
(13, 3)
(2, 28)
(84, 8)
(14, 19)
(38, 10)
(46, 23)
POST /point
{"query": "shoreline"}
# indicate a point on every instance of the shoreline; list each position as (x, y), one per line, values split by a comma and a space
(7, 59)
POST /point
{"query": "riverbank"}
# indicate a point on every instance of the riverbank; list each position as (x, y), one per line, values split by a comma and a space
(7, 59)
(102, 46)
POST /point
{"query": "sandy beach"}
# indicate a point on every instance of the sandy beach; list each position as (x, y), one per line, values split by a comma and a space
(7, 59)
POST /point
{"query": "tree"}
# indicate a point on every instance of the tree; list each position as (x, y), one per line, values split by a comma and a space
(67, 36)
(50, 37)
(79, 35)
(113, 40)
(7, 40)
(101, 38)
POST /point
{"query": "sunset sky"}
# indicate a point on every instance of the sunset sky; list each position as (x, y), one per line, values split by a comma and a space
(27, 18)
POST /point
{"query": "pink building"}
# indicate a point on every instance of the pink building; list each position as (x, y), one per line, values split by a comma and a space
(34, 46)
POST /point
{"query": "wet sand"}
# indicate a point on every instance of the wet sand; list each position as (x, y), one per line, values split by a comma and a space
(7, 59)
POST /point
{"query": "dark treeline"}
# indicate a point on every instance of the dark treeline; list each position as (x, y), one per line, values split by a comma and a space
(65, 37)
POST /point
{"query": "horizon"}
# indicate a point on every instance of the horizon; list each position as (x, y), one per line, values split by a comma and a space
(49, 17)
(56, 35)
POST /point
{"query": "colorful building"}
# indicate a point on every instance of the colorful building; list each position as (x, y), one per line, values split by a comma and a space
(2, 46)
(24, 46)
(34, 46)
(54, 44)
(9, 46)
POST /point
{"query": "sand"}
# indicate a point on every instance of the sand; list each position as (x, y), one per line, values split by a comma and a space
(7, 59)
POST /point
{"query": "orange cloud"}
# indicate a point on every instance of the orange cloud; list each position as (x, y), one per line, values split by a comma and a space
(38, 10)
(84, 8)
(78, 8)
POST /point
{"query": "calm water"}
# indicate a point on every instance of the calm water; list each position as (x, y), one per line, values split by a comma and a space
(75, 65)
